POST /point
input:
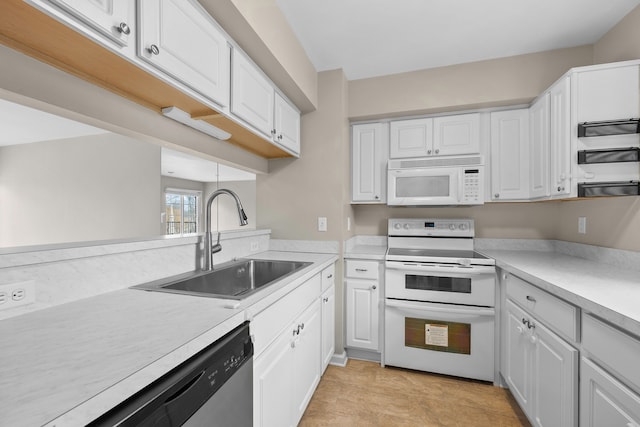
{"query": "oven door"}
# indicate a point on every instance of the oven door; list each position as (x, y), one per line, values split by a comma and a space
(440, 338)
(422, 186)
(448, 283)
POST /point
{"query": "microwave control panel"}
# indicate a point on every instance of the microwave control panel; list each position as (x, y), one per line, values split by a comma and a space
(472, 190)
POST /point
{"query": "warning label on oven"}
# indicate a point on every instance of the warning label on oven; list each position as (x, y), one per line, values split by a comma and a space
(436, 335)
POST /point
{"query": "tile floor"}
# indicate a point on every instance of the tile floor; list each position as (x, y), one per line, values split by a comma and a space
(365, 394)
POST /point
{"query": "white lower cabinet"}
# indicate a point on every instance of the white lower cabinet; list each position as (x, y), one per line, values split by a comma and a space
(362, 314)
(328, 325)
(540, 368)
(288, 372)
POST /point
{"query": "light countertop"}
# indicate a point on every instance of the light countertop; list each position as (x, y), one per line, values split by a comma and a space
(607, 291)
(68, 364)
(374, 252)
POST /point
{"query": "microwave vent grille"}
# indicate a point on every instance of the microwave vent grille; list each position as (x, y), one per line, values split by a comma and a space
(439, 161)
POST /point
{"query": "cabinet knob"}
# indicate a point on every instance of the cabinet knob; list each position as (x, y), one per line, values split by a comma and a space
(273, 132)
(496, 196)
(325, 299)
(530, 298)
(154, 50)
(280, 137)
(302, 325)
(559, 188)
(428, 151)
(533, 339)
(437, 150)
(330, 276)
(377, 197)
(124, 28)
(374, 287)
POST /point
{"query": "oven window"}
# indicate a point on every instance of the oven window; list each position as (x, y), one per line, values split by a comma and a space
(436, 283)
(423, 186)
(436, 335)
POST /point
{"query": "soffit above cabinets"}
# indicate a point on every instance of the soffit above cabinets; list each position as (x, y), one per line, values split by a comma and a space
(32, 32)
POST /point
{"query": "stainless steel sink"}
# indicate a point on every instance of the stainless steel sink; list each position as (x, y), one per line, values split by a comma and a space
(234, 280)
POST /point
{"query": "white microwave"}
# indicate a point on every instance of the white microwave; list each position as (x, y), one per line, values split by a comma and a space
(439, 181)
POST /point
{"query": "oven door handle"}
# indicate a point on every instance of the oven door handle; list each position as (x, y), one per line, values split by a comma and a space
(436, 269)
(476, 311)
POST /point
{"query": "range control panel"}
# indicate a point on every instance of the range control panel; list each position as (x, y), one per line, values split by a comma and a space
(431, 227)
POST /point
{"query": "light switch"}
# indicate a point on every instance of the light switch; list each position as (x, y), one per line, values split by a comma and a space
(322, 223)
(582, 225)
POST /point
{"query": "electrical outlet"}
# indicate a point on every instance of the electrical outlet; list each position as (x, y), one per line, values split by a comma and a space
(255, 246)
(17, 294)
(322, 223)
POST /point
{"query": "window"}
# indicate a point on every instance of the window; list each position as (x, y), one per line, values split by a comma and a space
(182, 211)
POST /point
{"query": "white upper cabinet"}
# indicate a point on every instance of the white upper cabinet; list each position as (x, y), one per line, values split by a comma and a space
(459, 134)
(114, 19)
(410, 138)
(286, 125)
(253, 94)
(254, 100)
(369, 163)
(560, 138)
(440, 136)
(179, 38)
(510, 155)
(539, 148)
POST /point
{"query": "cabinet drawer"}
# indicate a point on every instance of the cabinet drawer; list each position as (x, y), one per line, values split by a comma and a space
(614, 348)
(554, 312)
(267, 324)
(328, 277)
(361, 269)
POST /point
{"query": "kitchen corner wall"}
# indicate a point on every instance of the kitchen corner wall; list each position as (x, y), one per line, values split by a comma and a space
(296, 192)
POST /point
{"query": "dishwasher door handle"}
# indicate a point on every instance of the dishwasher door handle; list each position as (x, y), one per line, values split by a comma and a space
(184, 389)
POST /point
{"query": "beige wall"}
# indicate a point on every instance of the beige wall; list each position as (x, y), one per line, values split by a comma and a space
(79, 189)
(497, 82)
(296, 192)
(224, 214)
(622, 42)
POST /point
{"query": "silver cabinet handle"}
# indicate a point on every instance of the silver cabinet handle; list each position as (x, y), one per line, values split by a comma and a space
(280, 137)
(377, 197)
(154, 50)
(362, 270)
(374, 287)
(559, 188)
(325, 299)
(428, 151)
(330, 276)
(530, 298)
(124, 28)
(496, 196)
(273, 132)
(437, 150)
(302, 326)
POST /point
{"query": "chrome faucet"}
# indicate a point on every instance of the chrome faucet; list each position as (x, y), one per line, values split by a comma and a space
(209, 247)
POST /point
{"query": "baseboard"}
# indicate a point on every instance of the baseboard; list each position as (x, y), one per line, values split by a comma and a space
(371, 356)
(339, 359)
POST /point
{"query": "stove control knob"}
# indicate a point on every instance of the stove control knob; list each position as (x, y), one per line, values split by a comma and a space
(397, 226)
(452, 227)
(462, 226)
(406, 226)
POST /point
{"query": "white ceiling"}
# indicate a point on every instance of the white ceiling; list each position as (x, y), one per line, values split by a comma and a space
(370, 38)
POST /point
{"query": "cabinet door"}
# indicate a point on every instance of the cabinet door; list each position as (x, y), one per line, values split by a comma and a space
(362, 314)
(608, 94)
(516, 369)
(539, 148)
(112, 18)
(180, 39)
(273, 384)
(287, 125)
(560, 139)
(604, 401)
(459, 134)
(555, 379)
(328, 325)
(411, 138)
(509, 155)
(307, 359)
(369, 163)
(252, 95)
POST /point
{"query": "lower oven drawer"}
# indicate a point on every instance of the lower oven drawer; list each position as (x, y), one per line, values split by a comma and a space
(440, 338)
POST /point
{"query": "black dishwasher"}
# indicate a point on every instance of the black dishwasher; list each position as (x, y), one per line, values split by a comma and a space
(213, 388)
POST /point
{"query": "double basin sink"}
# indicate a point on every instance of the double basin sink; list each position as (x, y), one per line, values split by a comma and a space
(234, 280)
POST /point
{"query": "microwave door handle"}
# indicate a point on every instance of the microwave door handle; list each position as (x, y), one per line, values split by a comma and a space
(460, 185)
